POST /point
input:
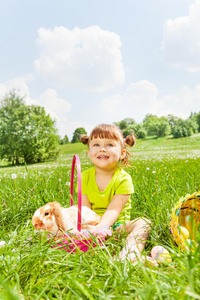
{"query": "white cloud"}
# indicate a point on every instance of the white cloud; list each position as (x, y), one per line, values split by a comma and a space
(181, 40)
(138, 100)
(184, 101)
(57, 107)
(112, 103)
(142, 98)
(17, 84)
(88, 59)
(189, 99)
(53, 105)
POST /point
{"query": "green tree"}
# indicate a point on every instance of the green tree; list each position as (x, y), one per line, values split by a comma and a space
(164, 127)
(141, 133)
(78, 131)
(27, 133)
(172, 121)
(193, 125)
(150, 123)
(184, 128)
(65, 140)
(60, 140)
(129, 126)
(156, 126)
(196, 118)
(125, 123)
(198, 121)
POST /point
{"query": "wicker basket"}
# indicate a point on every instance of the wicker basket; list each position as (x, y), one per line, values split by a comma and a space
(186, 213)
(82, 240)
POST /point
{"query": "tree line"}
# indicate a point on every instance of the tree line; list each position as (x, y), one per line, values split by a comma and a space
(161, 126)
(29, 135)
(155, 126)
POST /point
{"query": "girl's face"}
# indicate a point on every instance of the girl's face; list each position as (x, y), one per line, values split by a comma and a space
(105, 153)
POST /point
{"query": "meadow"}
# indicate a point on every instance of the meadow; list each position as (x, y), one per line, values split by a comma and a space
(163, 170)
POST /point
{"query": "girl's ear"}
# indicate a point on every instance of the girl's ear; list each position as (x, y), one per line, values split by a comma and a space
(123, 154)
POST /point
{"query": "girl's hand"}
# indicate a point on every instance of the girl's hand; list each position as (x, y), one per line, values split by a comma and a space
(90, 228)
(95, 230)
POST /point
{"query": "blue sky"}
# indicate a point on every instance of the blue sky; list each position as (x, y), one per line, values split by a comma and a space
(90, 62)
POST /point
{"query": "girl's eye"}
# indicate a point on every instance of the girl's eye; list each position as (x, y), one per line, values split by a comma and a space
(95, 145)
(110, 145)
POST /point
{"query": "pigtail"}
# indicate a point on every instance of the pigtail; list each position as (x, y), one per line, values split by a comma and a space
(84, 139)
(130, 140)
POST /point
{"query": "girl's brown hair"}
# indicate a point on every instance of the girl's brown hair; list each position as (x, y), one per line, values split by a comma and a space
(105, 131)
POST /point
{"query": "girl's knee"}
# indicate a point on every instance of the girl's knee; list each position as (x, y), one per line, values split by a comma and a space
(142, 223)
(147, 221)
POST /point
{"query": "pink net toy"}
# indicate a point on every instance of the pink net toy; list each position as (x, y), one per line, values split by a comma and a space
(82, 240)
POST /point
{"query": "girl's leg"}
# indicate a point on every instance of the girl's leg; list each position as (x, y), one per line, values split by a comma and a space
(138, 230)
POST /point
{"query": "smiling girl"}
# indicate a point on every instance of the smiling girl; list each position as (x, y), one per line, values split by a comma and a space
(106, 187)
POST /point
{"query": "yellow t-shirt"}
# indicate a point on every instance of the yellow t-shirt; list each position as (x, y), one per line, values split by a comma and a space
(121, 183)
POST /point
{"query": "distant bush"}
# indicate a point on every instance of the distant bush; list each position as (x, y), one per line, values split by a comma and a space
(196, 118)
(156, 126)
(184, 128)
(198, 121)
(76, 135)
(141, 133)
(64, 141)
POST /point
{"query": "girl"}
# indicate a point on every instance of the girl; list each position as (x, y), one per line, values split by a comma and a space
(106, 188)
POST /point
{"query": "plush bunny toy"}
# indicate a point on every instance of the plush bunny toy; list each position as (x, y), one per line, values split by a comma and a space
(52, 217)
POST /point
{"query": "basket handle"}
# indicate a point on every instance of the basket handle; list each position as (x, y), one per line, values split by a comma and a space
(76, 161)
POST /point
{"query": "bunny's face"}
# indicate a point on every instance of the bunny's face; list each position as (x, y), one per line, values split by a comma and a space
(44, 218)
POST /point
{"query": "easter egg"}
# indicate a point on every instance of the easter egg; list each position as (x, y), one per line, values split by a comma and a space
(160, 254)
(184, 232)
(155, 250)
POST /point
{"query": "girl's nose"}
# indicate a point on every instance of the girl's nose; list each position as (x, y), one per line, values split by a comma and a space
(103, 149)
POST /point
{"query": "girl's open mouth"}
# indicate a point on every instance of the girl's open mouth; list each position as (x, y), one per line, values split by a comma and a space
(103, 157)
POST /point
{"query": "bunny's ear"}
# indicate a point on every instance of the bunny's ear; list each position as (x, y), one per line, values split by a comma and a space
(56, 210)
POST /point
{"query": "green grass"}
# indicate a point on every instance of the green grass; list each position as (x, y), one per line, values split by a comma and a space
(162, 169)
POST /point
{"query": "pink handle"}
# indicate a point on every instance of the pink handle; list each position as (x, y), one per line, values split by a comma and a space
(78, 166)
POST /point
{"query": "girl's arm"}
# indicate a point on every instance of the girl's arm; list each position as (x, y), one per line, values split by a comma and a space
(113, 210)
(85, 201)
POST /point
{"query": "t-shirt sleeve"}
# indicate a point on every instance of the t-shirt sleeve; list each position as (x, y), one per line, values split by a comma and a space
(125, 185)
